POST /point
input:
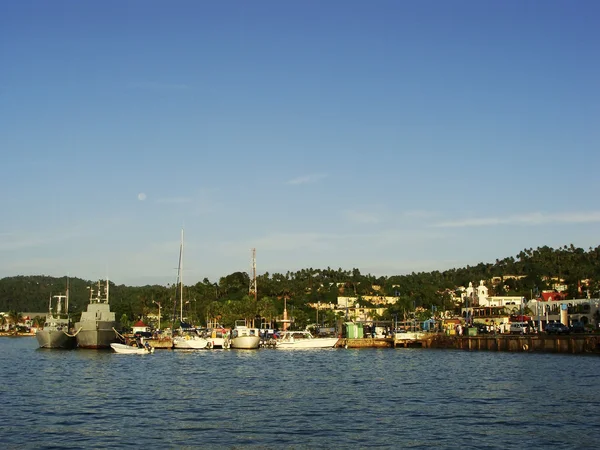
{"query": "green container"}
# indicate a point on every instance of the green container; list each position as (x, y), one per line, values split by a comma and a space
(354, 330)
(351, 330)
(360, 332)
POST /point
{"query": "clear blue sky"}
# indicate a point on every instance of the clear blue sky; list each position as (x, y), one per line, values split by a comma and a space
(392, 136)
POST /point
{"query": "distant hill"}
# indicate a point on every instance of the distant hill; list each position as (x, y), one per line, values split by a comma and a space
(529, 272)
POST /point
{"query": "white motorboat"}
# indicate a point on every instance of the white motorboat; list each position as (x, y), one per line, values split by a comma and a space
(243, 337)
(132, 350)
(190, 341)
(303, 340)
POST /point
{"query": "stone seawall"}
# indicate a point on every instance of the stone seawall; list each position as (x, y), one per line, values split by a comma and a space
(577, 343)
(514, 343)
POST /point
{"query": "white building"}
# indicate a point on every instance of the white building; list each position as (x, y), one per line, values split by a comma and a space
(586, 310)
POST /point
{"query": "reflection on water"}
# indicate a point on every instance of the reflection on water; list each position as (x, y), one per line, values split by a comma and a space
(334, 398)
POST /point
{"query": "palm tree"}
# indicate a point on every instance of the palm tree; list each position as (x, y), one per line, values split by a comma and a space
(38, 321)
(14, 317)
(266, 308)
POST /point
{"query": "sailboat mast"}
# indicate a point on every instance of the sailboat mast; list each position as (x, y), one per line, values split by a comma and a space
(181, 277)
(253, 291)
(67, 298)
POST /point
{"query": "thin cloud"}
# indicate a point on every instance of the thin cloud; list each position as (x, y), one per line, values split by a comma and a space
(35, 265)
(157, 86)
(174, 200)
(392, 266)
(15, 241)
(282, 241)
(537, 218)
(419, 214)
(307, 179)
(326, 242)
(362, 217)
(10, 241)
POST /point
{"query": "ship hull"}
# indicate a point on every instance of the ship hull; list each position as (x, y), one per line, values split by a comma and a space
(187, 343)
(55, 339)
(99, 336)
(245, 342)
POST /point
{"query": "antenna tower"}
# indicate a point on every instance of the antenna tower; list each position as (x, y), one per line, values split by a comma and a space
(252, 291)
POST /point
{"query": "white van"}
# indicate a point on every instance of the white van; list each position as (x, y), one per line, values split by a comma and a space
(519, 327)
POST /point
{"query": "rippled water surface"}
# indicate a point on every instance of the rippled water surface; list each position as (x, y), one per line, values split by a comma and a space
(338, 398)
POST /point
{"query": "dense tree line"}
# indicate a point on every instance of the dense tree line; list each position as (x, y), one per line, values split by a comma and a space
(228, 298)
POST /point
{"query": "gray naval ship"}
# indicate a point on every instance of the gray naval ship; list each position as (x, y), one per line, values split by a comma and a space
(96, 328)
(56, 333)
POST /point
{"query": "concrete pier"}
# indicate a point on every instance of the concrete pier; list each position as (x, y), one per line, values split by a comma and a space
(574, 343)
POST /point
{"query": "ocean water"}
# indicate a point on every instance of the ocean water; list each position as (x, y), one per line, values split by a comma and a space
(267, 399)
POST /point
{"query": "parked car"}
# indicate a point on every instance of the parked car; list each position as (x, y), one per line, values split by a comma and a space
(557, 328)
(482, 329)
(519, 328)
(577, 327)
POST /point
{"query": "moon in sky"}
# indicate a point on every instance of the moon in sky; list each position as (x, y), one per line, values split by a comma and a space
(141, 196)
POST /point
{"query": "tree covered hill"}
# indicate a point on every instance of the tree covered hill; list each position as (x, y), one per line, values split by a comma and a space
(534, 269)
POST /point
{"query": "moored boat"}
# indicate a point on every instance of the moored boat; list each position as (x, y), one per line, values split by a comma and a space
(55, 333)
(144, 349)
(217, 336)
(188, 337)
(97, 326)
(190, 340)
(303, 340)
(244, 337)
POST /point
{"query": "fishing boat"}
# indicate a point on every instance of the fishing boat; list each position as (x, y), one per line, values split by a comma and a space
(56, 331)
(244, 337)
(144, 349)
(97, 326)
(303, 340)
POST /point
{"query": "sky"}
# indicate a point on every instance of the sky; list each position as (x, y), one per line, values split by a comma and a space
(389, 136)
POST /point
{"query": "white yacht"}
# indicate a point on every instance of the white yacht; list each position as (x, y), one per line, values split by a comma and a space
(303, 339)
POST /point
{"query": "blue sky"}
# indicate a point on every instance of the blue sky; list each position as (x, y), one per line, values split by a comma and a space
(392, 136)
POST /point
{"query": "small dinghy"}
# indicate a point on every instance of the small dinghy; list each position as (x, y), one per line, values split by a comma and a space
(131, 350)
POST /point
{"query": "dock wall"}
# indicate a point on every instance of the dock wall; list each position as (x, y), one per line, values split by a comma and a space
(584, 343)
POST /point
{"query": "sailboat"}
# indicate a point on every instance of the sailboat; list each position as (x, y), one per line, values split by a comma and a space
(188, 338)
(55, 333)
(244, 336)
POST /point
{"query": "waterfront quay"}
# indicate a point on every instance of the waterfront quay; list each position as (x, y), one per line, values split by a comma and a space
(574, 343)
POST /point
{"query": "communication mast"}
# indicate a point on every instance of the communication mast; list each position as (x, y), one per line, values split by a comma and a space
(252, 291)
